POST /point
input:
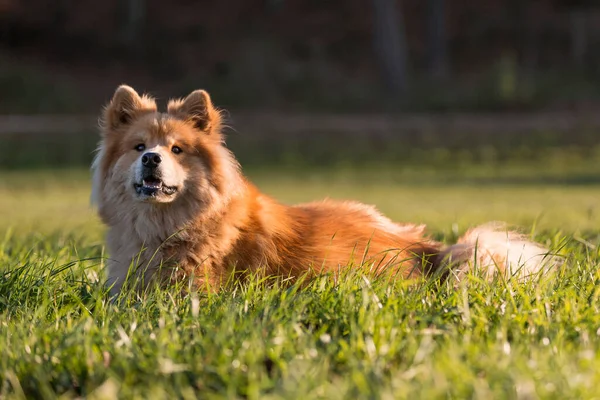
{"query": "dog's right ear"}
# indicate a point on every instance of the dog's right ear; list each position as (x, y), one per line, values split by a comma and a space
(125, 106)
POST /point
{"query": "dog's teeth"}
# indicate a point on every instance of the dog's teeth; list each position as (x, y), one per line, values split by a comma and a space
(152, 184)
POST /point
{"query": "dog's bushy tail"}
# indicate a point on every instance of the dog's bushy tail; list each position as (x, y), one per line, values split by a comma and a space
(492, 249)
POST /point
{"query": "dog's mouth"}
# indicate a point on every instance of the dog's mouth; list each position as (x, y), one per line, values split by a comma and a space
(152, 187)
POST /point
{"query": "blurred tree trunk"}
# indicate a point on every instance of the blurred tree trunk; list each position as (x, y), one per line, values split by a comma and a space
(437, 40)
(578, 36)
(390, 44)
(61, 14)
(135, 13)
(530, 28)
(531, 38)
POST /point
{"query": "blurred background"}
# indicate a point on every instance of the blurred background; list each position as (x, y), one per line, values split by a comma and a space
(377, 71)
(502, 92)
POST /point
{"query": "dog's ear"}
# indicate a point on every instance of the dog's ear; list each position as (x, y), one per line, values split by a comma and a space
(198, 109)
(125, 106)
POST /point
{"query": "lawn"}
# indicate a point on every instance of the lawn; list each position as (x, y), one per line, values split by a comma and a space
(360, 339)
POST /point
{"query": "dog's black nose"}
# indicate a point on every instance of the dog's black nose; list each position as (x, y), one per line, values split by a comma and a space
(151, 160)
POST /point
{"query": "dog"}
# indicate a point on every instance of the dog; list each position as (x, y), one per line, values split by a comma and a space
(178, 209)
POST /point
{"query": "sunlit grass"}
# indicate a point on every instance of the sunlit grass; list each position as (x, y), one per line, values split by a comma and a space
(363, 338)
(42, 202)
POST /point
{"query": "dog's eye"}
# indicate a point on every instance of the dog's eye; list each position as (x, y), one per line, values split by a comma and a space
(176, 149)
(140, 147)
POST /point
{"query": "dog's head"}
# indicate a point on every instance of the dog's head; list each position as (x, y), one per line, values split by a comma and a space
(155, 158)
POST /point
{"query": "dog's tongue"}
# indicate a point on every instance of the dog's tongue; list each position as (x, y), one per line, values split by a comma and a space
(152, 183)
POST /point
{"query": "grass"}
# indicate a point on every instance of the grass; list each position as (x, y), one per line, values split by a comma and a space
(360, 339)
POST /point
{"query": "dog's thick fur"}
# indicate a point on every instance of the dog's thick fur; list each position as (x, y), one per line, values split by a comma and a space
(206, 220)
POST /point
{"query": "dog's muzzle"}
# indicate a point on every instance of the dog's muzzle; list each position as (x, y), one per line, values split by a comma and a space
(152, 184)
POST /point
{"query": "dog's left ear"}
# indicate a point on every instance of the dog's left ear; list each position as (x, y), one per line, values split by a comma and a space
(198, 109)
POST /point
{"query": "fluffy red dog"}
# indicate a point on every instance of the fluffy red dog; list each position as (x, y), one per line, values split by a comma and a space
(178, 208)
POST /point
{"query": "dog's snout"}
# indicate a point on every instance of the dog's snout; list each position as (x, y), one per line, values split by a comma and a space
(151, 160)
